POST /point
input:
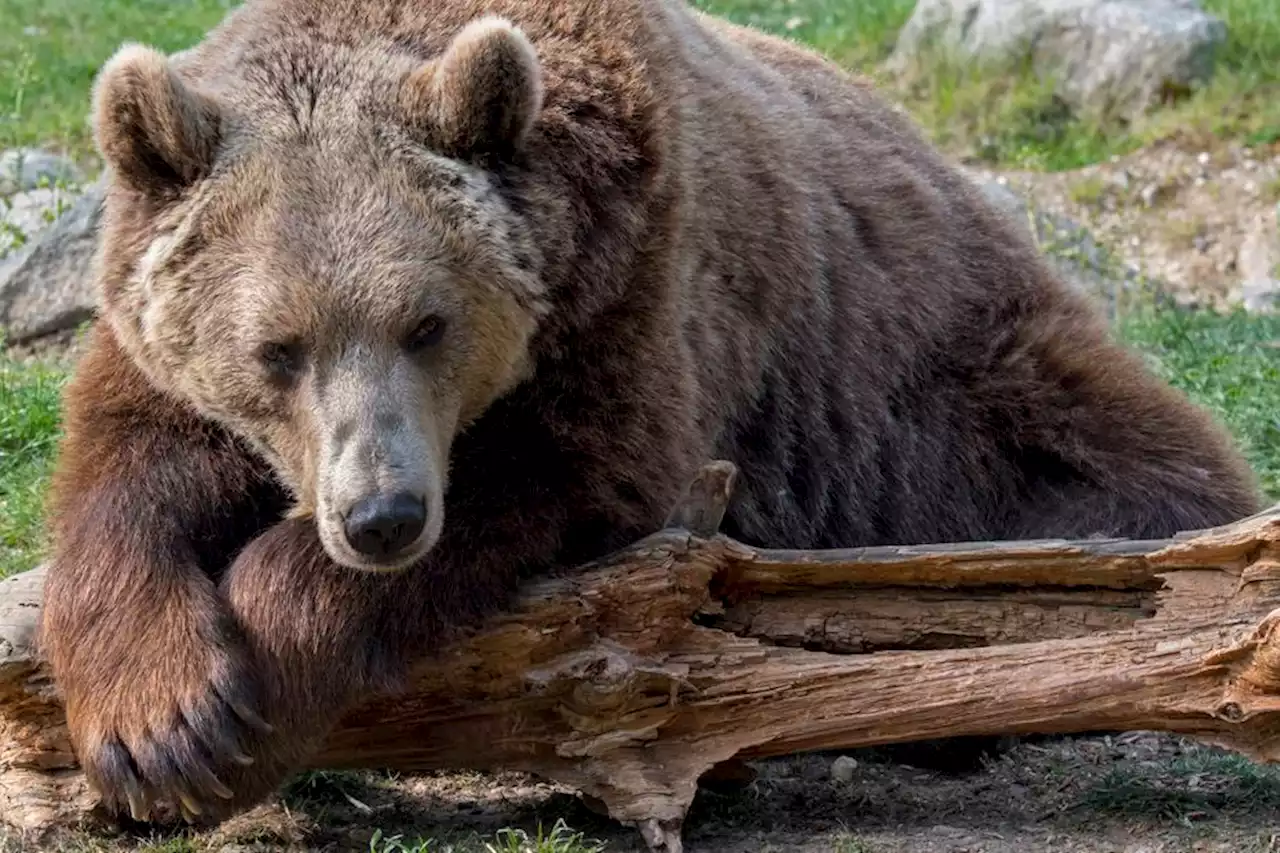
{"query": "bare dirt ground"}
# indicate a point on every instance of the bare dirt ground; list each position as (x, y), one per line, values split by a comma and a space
(1136, 793)
(1201, 221)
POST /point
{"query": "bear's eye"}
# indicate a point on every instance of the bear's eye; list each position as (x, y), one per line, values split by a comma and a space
(426, 335)
(282, 360)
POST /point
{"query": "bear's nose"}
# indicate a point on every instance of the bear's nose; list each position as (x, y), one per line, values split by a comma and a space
(382, 525)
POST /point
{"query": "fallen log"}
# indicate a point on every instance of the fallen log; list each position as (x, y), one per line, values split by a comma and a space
(632, 678)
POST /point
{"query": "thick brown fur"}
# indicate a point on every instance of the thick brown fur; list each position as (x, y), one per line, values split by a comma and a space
(724, 247)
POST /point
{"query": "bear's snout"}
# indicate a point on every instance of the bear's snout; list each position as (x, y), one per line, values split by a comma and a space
(381, 526)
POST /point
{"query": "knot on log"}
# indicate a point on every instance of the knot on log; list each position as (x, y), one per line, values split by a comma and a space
(609, 697)
(1264, 666)
(1255, 689)
(607, 676)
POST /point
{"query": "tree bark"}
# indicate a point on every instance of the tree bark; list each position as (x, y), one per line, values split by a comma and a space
(632, 677)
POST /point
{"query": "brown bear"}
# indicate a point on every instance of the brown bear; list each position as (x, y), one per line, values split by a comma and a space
(404, 299)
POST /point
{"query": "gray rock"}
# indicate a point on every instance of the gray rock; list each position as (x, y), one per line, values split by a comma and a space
(843, 770)
(24, 215)
(1259, 255)
(48, 286)
(1261, 296)
(23, 169)
(1008, 202)
(1110, 57)
(1258, 262)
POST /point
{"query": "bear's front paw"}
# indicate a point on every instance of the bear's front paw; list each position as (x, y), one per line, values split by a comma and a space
(178, 727)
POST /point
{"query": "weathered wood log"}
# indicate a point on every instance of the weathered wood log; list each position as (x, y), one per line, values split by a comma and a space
(633, 677)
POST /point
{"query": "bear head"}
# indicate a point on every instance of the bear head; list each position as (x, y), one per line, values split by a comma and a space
(313, 250)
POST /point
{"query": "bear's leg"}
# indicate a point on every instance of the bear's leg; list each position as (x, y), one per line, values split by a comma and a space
(1119, 455)
(1146, 502)
(160, 700)
(1105, 448)
(324, 636)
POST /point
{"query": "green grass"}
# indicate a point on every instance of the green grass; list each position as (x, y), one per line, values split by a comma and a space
(559, 839)
(50, 51)
(856, 34)
(1206, 782)
(29, 422)
(1229, 363)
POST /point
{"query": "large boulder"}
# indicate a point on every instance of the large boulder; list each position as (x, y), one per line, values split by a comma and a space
(25, 214)
(47, 286)
(1110, 58)
(35, 186)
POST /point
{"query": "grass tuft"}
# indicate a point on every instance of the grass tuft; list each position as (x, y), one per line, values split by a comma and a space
(50, 52)
(1229, 363)
(1200, 785)
(560, 839)
(30, 419)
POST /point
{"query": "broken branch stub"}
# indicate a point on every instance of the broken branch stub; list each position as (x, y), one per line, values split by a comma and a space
(634, 677)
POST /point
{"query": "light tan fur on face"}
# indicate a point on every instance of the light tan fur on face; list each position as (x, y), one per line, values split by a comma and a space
(382, 430)
(336, 238)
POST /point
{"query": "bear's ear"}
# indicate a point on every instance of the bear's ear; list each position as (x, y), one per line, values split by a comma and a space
(482, 96)
(155, 132)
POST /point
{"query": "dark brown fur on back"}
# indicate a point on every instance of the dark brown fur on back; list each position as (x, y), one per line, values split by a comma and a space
(745, 255)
